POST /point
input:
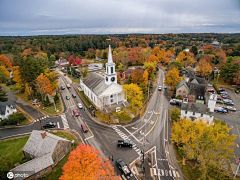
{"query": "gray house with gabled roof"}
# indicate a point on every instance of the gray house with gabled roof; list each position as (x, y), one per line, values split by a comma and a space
(45, 150)
(6, 109)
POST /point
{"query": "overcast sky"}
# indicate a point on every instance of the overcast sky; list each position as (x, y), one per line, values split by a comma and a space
(40, 17)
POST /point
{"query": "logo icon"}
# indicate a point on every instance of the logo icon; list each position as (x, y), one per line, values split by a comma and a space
(10, 175)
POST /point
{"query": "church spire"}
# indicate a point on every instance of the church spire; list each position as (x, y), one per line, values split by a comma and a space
(110, 55)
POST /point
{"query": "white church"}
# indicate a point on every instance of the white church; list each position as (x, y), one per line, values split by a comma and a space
(103, 90)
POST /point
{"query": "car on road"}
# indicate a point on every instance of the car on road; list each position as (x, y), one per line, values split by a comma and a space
(75, 113)
(49, 125)
(62, 87)
(229, 103)
(173, 102)
(84, 128)
(236, 91)
(222, 110)
(230, 108)
(127, 143)
(68, 86)
(74, 95)
(123, 167)
(159, 88)
(165, 86)
(67, 97)
(177, 102)
(79, 105)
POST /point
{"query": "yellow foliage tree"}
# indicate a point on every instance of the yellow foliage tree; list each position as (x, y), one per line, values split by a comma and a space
(4, 74)
(53, 78)
(17, 77)
(211, 146)
(153, 58)
(134, 95)
(44, 84)
(204, 68)
(172, 78)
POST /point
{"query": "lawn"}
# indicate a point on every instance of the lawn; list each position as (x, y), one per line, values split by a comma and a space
(84, 98)
(12, 149)
(10, 88)
(51, 108)
(123, 116)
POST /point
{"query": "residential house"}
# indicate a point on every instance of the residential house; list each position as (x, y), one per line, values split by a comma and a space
(193, 88)
(45, 150)
(61, 63)
(6, 109)
(195, 111)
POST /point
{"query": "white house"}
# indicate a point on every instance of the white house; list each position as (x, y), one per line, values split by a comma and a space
(6, 109)
(103, 90)
(195, 111)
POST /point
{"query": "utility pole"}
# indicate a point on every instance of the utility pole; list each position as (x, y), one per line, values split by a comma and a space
(236, 170)
(39, 117)
(148, 87)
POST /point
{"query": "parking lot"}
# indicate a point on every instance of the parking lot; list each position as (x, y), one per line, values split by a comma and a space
(235, 99)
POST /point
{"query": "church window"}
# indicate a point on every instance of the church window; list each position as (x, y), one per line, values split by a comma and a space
(111, 69)
(111, 96)
(107, 70)
(111, 100)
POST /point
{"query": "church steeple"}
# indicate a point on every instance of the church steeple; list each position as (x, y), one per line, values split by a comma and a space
(110, 74)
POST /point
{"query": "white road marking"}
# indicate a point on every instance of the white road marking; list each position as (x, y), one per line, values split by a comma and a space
(58, 125)
(134, 128)
(174, 173)
(170, 173)
(64, 120)
(88, 138)
(177, 174)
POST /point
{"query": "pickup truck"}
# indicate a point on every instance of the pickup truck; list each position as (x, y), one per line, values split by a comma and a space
(123, 167)
(125, 143)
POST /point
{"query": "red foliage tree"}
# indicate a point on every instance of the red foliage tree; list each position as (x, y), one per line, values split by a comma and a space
(72, 61)
(78, 61)
(4, 61)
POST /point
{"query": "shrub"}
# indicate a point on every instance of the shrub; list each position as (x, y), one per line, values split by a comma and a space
(13, 119)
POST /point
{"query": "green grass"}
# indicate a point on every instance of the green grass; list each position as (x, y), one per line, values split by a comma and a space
(123, 116)
(10, 88)
(12, 149)
(51, 109)
(84, 98)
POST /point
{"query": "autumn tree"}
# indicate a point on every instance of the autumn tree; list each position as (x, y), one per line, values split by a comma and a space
(210, 146)
(78, 61)
(172, 78)
(134, 95)
(161, 55)
(229, 72)
(155, 51)
(90, 53)
(53, 78)
(4, 61)
(168, 56)
(145, 81)
(84, 163)
(153, 58)
(175, 114)
(186, 58)
(4, 74)
(137, 76)
(72, 61)
(17, 78)
(204, 68)
(44, 84)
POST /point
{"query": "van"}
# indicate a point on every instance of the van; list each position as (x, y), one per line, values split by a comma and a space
(68, 86)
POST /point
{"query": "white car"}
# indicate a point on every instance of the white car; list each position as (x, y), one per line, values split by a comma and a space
(79, 105)
(159, 88)
(230, 108)
(165, 86)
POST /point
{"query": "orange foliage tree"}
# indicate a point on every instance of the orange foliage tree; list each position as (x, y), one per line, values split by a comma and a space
(17, 77)
(137, 76)
(84, 163)
(44, 84)
(153, 58)
(4, 61)
(204, 68)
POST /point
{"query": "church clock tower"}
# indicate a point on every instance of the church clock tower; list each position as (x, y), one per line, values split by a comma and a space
(110, 74)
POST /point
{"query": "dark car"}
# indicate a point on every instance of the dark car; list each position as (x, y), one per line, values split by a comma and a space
(74, 95)
(49, 125)
(237, 91)
(84, 128)
(123, 167)
(67, 97)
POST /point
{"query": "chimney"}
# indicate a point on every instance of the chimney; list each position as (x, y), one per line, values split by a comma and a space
(43, 134)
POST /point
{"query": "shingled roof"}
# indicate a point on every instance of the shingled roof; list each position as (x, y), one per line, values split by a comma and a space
(38, 146)
(96, 83)
(196, 89)
(182, 82)
(198, 79)
(195, 107)
(3, 106)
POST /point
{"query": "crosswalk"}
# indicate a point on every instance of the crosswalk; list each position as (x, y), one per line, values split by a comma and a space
(122, 135)
(64, 120)
(41, 118)
(162, 172)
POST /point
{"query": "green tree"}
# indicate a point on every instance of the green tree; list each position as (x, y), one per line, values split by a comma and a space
(194, 50)
(175, 114)
(56, 98)
(229, 71)
(5, 165)
(52, 60)
(3, 95)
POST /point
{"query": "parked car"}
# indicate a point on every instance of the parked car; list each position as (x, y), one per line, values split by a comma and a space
(67, 97)
(84, 128)
(49, 125)
(74, 95)
(230, 108)
(237, 91)
(75, 113)
(219, 101)
(159, 88)
(127, 143)
(79, 105)
(165, 86)
(223, 92)
(173, 102)
(229, 103)
(221, 89)
(220, 109)
(210, 85)
(226, 97)
(211, 90)
(123, 167)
